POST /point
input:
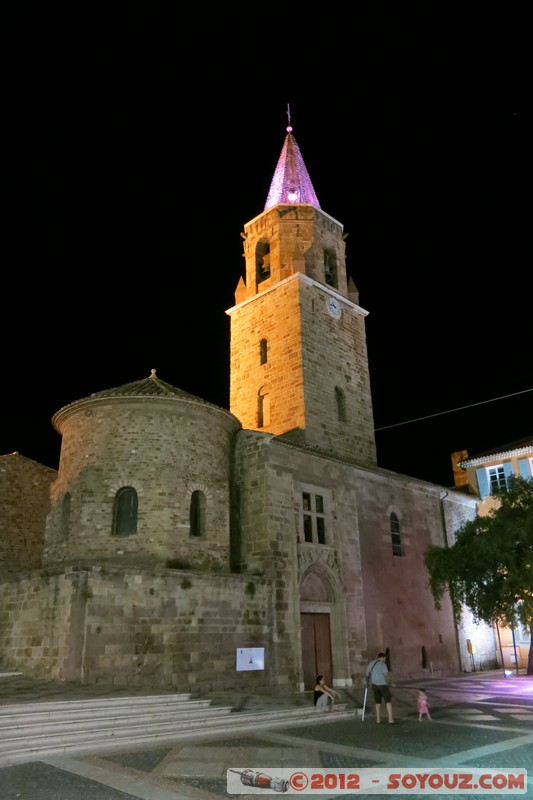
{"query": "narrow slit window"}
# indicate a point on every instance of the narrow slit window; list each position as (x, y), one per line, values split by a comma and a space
(340, 402)
(197, 513)
(263, 410)
(396, 537)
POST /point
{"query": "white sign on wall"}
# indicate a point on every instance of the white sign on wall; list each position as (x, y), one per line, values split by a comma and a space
(250, 658)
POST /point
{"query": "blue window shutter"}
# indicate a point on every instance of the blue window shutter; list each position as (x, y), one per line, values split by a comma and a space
(523, 467)
(482, 482)
(508, 471)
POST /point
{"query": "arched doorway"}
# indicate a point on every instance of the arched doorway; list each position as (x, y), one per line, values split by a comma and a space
(316, 602)
(316, 648)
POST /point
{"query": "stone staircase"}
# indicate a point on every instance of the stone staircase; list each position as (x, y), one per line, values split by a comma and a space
(33, 730)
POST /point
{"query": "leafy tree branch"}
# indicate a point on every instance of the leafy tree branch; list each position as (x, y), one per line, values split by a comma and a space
(489, 568)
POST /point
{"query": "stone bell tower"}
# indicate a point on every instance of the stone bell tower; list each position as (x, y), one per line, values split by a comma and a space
(298, 361)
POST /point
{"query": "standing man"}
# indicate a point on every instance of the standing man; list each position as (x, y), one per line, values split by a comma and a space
(377, 676)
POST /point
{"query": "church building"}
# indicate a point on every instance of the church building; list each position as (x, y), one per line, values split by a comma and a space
(184, 545)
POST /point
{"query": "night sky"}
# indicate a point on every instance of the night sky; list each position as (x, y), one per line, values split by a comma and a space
(132, 173)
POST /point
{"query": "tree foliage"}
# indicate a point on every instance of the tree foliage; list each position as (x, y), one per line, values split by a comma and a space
(489, 568)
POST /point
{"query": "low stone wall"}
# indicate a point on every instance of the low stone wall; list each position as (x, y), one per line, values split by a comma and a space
(154, 629)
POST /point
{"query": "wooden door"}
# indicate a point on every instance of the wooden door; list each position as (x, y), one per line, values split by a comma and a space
(316, 648)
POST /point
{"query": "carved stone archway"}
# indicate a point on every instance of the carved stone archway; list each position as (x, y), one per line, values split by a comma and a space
(323, 632)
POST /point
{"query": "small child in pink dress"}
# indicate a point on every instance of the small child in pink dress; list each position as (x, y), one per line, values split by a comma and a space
(423, 705)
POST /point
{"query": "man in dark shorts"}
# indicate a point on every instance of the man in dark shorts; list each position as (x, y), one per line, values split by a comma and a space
(377, 675)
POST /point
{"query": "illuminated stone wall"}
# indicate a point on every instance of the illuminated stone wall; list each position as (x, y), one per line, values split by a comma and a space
(154, 630)
(132, 621)
(24, 504)
(377, 600)
(165, 449)
(311, 355)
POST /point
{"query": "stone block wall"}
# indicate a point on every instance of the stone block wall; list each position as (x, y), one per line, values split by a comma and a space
(297, 236)
(334, 357)
(279, 324)
(36, 611)
(150, 629)
(310, 354)
(24, 505)
(165, 451)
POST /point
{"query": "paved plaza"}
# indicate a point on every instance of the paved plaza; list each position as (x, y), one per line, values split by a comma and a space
(480, 720)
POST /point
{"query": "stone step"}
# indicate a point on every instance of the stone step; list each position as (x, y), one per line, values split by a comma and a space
(74, 711)
(28, 734)
(70, 724)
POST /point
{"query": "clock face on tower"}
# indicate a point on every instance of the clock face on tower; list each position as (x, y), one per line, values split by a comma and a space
(334, 307)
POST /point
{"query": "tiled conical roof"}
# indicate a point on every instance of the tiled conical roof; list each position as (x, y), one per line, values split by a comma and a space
(291, 182)
(147, 387)
(151, 387)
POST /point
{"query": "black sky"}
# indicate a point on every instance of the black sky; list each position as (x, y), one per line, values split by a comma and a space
(134, 167)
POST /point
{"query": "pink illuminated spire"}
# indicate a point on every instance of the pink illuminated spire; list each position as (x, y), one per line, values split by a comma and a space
(291, 182)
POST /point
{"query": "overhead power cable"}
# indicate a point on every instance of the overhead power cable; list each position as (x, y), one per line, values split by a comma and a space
(451, 411)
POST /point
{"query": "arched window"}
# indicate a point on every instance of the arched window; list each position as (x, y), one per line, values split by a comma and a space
(125, 512)
(197, 513)
(263, 351)
(262, 260)
(330, 268)
(396, 538)
(340, 401)
(65, 515)
(263, 410)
